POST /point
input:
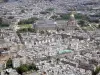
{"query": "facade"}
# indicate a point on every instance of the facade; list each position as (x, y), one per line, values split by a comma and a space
(17, 61)
(45, 25)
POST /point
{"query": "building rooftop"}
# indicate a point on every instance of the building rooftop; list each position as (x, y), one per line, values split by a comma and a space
(64, 51)
(45, 23)
(2, 41)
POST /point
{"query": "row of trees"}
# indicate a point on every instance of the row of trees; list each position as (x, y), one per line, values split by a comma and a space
(32, 31)
(28, 21)
(61, 17)
(20, 37)
(67, 16)
(78, 16)
(26, 30)
(83, 23)
(47, 11)
(26, 68)
(23, 68)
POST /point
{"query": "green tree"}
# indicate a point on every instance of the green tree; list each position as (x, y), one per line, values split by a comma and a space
(22, 69)
(96, 71)
(34, 67)
(82, 23)
(99, 26)
(25, 68)
(22, 11)
(57, 60)
(0, 20)
(32, 30)
(42, 32)
(4, 25)
(9, 64)
(65, 16)
(81, 16)
(54, 17)
(48, 33)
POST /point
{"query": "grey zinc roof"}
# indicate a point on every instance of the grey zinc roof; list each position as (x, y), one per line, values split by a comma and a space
(45, 23)
(2, 41)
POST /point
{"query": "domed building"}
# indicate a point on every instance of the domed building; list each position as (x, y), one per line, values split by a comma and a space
(47, 24)
(71, 24)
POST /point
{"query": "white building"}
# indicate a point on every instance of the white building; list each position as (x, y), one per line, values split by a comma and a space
(16, 62)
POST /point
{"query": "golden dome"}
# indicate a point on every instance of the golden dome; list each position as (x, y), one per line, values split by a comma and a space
(72, 15)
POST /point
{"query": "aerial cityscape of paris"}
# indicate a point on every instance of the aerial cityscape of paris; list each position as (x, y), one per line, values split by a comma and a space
(49, 37)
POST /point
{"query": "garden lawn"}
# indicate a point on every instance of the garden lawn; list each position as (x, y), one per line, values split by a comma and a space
(25, 26)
